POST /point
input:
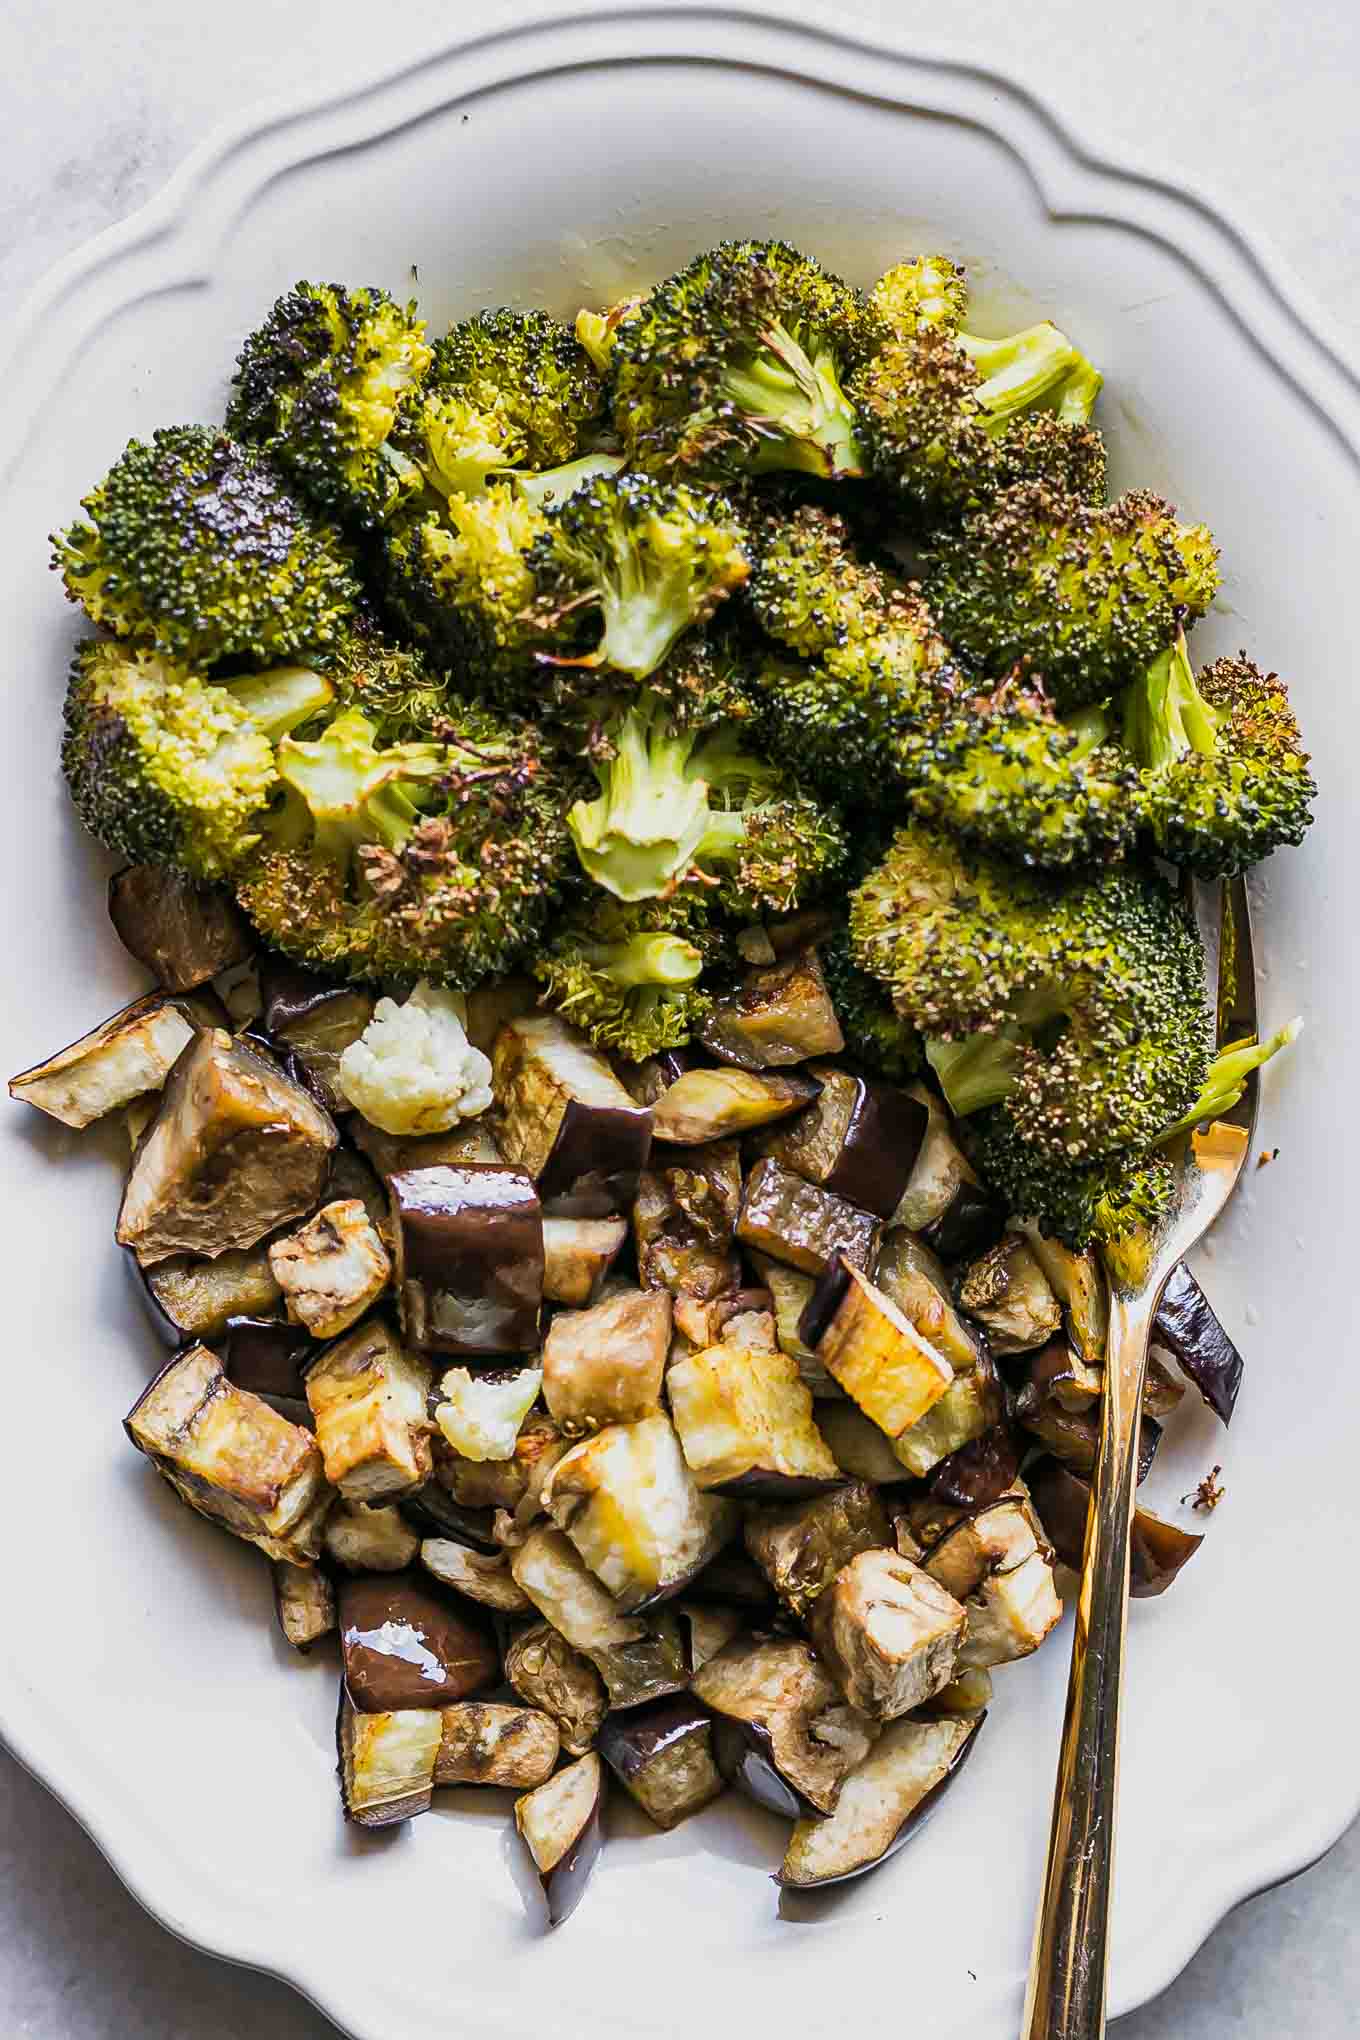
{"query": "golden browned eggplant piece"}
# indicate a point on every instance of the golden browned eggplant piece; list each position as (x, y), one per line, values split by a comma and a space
(386, 1762)
(870, 1348)
(130, 1053)
(781, 1014)
(783, 1735)
(663, 1757)
(482, 1578)
(485, 1742)
(995, 1565)
(888, 1633)
(560, 1823)
(704, 1105)
(235, 1151)
(801, 1549)
(369, 1398)
(304, 1601)
(684, 1217)
(604, 1365)
(184, 932)
(550, 1674)
(745, 1422)
(859, 1139)
(391, 1152)
(332, 1269)
(231, 1457)
(565, 1117)
(639, 1657)
(795, 1222)
(629, 1504)
(194, 1298)
(361, 1539)
(882, 1804)
(1078, 1282)
(943, 1200)
(469, 1258)
(1008, 1293)
(577, 1255)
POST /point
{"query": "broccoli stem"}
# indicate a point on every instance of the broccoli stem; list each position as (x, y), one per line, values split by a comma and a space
(644, 611)
(283, 699)
(549, 486)
(354, 793)
(1227, 1078)
(797, 404)
(1091, 727)
(1020, 370)
(643, 830)
(1077, 396)
(975, 1072)
(653, 960)
(1165, 715)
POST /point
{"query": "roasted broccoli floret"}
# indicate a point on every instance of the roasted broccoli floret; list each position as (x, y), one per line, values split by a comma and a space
(1001, 769)
(739, 363)
(927, 290)
(1225, 774)
(196, 547)
(876, 1035)
(650, 557)
(434, 858)
(596, 330)
(1087, 597)
(1112, 1202)
(809, 589)
(320, 386)
(1073, 1004)
(946, 415)
(459, 581)
(170, 768)
(629, 975)
(674, 807)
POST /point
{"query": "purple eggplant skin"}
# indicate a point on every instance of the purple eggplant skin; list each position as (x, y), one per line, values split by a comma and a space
(469, 1259)
(404, 1647)
(1157, 1550)
(184, 932)
(268, 1356)
(911, 1826)
(825, 1300)
(396, 1810)
(879, 1144)
(744, 1753)
(1074, 1437)
(565, 1884)
(970, 1223)
(433, 1511)
(596, 1159)
(647, 1081)
(758, 1486)
(979, 1472)
(1187, 1326)
(632, 1742)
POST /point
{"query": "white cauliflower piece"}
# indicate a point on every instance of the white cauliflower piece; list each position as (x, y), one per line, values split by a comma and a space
(413, 1069)
(481, 1415)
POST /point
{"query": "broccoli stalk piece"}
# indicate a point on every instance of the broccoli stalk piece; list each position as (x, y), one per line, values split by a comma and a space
(739, 364)
(1227, 1078)
(627, 978)
(320, 387)
(342, 792)
(196, 548)
(653, 557)
(1225, 774)
(1087, 597)
(673, 806)
(169, 768)
(595, 330)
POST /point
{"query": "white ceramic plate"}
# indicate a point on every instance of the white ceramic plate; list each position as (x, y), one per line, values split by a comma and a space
(140, 1674)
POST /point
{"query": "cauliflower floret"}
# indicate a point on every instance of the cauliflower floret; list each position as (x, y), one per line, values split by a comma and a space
(413, 1069)
(480, 1415)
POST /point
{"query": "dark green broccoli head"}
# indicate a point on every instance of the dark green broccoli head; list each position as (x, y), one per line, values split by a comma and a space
(527, 369)
(927, 290)
(438, 859)
(196, 547)
(876, 1035)
(320, 387)
(738, 364)
(809, 589)
(1107, 1203)
(628, 976)
(1086, 596)
(651, 558)
(1225, 774)
(169, 768)
(1041, 446)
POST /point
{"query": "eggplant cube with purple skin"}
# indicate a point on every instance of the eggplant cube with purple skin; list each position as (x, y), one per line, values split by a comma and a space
(577, 1255)
(332, 1269)
(803, 1547)
(993, 1563)
(127, 1055)
(486, 1742)
(550, 1675)
(745, 1421)
(872, 1351)
(405, 1646)
(783, 1733)
(469, 1253)
(882, 1802)
(560, 1823)
(888, 1632)
(566, 1118)
(629, 1504)
(605, 1365)
(386, 1762)
(663, 1756)
(369, 1398)
(859, 1139)
(233, 1458)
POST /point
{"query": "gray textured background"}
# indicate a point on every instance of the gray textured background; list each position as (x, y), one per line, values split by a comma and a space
(1253, 105)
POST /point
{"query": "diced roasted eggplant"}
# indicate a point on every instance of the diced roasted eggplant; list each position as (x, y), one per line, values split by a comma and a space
(734, 1576)
(369, 1397)
(1186, 1326)
(1078, 1282)
(872, 1351)
(131, 1052)
(980, 1471)
(859, 1448)
(386, 1762)
(790, 1292)
(304, 1601)
(566, 1118)
(235, 1151)
(704, 1105)
(1162, 1391)
(971, 1406)
(352, 1175)
(628, 1502)
(492, 1003)
(605, 1365)
(801, 1549)
(480, 1415)
(578, 1253)
(192, 1298)
(184, 932)
(859, 1139)
(684, 1217)
(743, 1314)
(663, 1756)
(943, 1200)
(314, 1021)
(994, 1564)
(745, 1422)
(1074, 1436)
(230, 1456)
(515, 1483)
(783, 1735)
(650, 1079)
(486, 1580)
(913, 1276)
(882, 1804)
(332, 1269)
(548, 1673)
(407, 1647)
(888, 1633)
(138, 1115)
(639, 1657)
(969, 1693)
(707, 1629)
(369, 1540)
(433, 1512)
(469, 1259)
(560, 1823)
(1008, 1293)
(484, 1742)
(795, 1222)
(1157, 1550)
(270, 1357)
(782, 1013)
(1058, 1373)
(391, 1152)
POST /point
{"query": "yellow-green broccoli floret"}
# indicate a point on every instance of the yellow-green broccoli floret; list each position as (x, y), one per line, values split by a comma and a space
(195, 546)
(926, 290)
(809, 589)
(460, 581)
(628, 976)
